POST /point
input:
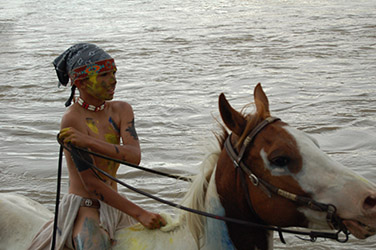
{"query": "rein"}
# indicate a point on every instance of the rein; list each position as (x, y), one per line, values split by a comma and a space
(58, 187)
(173, 176)
(74, 151)
(333, 220)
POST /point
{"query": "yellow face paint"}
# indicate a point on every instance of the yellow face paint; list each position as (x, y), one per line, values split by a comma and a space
(103, 88)
(93, 87)
(93, 79)
(92, 125)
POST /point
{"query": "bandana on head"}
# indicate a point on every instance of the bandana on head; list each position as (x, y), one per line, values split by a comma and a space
(81, 61)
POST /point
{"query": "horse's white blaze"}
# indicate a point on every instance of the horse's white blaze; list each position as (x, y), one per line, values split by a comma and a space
(275, 171)
(329, 182)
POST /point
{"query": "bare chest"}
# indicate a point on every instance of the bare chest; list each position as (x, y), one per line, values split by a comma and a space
(104, 128)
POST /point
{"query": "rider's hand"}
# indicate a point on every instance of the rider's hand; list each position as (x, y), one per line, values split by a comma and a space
(72, 135)
(151, 220)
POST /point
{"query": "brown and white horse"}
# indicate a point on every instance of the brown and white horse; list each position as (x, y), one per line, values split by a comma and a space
(283, 162)
(265, 172)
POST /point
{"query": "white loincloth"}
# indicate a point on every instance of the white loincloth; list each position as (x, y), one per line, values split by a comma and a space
(111, 220)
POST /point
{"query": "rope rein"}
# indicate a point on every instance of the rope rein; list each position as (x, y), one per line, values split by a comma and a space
(59, 169)
(173, 176)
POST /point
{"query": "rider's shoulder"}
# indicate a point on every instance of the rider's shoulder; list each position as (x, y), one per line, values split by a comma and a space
(71, 116)
(120, 106)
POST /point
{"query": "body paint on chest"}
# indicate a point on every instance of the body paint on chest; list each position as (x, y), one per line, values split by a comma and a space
(113, 137)
(90, 122)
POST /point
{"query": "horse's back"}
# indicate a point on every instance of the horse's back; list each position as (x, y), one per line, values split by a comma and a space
(20, 220)
(173, 236)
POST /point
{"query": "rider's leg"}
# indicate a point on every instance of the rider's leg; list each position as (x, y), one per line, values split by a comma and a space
(87, 232)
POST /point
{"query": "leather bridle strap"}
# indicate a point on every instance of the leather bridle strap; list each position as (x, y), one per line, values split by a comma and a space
(252, 135)
(333, 220)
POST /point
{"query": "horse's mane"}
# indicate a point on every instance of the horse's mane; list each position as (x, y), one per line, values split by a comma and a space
(195, 197)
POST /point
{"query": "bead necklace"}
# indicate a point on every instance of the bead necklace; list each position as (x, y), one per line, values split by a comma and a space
(90, 107)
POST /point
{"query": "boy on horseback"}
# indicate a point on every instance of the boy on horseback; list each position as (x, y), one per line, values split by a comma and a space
(93, 210)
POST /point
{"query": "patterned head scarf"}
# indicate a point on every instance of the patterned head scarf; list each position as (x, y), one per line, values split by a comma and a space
(81, 61)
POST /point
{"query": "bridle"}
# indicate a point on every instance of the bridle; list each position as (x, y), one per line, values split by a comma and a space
(333, 220)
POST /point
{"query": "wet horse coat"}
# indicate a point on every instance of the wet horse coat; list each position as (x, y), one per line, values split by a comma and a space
(280, 156)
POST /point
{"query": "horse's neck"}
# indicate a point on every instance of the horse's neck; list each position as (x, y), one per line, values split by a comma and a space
(216, 233)
(233, 236)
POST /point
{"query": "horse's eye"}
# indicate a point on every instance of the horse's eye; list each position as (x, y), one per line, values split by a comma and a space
(280, 161)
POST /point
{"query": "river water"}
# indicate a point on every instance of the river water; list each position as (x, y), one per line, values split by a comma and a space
(315, 59)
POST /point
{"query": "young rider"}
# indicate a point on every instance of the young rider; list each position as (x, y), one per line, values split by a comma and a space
(93, 210)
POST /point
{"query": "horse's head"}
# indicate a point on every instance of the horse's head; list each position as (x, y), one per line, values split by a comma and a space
(288, 179)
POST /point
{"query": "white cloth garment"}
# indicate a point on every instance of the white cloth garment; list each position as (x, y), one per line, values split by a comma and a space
(111, 219)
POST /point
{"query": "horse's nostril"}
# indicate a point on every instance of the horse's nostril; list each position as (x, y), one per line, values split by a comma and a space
(369, 203)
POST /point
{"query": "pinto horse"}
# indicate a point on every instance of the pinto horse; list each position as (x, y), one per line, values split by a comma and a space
(265, 172)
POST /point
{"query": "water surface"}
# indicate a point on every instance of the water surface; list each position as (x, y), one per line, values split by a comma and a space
(315, 59)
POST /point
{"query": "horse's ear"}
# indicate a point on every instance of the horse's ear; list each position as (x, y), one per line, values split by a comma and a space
(232, 118)
(261, 101)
